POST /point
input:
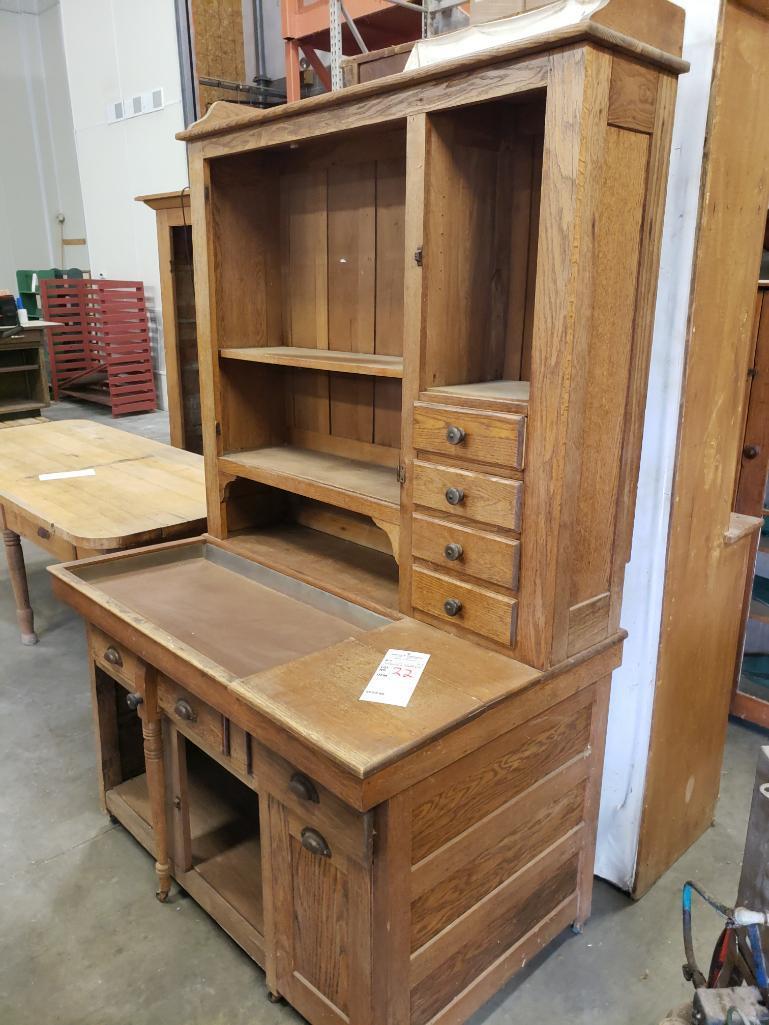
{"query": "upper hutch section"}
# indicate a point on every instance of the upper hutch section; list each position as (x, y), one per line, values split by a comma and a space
(424, 311)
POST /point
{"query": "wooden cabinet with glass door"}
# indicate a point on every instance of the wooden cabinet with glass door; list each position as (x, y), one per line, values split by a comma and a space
(424, 310)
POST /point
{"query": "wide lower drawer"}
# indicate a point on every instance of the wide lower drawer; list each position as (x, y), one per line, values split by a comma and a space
(494, 438)
(115, 659)
(484, 612)
(467, 551)
(318, 812)
(468, 495)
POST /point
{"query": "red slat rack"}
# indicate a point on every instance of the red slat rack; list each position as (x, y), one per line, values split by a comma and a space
(101, 351)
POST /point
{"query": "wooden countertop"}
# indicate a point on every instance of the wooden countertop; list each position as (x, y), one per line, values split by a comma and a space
(140, 488)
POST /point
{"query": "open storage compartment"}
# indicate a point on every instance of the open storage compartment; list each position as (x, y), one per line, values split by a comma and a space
(482, 212)
(309, 315)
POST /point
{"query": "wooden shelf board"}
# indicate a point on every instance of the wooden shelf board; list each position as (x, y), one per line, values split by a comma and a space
(18, 368)
(20, 407)
(347, 483)
(369, 364)
(502, 395)
(341, 567)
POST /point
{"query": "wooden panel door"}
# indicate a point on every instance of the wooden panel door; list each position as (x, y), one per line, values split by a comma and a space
(321, 901)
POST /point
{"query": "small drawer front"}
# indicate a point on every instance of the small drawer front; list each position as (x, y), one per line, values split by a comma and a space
(472, 496)
(193, 717)
(115, 659)
(495, 438)
(467, 551)
(474, 608)
(343, 828)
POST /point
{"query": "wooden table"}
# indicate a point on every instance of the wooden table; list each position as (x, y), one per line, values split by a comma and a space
(140, 492)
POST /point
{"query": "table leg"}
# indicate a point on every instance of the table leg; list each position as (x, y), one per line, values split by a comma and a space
(156, 784)
(18, 574)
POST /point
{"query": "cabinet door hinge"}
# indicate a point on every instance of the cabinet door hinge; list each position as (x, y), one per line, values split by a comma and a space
(401, 474)
(206, 193)
(218, 429)
(418, 256)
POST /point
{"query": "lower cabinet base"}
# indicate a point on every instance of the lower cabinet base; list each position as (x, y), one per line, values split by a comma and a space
(413, 913)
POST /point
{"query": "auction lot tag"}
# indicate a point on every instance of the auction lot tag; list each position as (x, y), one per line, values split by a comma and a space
(396, 677)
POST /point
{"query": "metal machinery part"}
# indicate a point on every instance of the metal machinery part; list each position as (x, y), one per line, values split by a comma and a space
(740, 1005)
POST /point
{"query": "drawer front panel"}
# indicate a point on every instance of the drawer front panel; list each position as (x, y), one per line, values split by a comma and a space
(493, 438)
(473, 496)
(474, 608)
(467, 551)
(115, 659)
(345, 830)
(193, 717)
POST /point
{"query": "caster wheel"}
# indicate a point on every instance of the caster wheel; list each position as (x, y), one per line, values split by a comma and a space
(113, 821)
(274, 998)
(577, 928)
(161, 897)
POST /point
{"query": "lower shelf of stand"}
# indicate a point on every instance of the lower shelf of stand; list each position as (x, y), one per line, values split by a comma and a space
(226, 852)
(347, 483)
(25, 406)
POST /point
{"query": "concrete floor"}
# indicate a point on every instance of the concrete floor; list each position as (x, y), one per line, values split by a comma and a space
(84, 942)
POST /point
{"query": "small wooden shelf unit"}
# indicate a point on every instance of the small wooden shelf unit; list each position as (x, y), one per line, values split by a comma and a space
(422, 390)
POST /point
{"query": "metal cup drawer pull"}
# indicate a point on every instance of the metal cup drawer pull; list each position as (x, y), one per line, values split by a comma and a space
(455, 435)
(113, 656)
(313, 842)
(184, 710)
(303, 788)
(452, 606)
(455, 496)
(453, 552)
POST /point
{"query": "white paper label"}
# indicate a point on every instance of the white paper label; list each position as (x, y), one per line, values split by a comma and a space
(396, 677)
(62, 474)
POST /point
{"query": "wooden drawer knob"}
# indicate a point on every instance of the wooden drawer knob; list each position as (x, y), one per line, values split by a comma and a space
(455, 435)
(452, 606)
(113, 656)
(313, 842)
(453, 552)
(303, 788)
(133, 701)
(184, 710)
(455, 496)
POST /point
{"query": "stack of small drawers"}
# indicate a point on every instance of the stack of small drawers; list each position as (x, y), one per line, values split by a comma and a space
(467, 517)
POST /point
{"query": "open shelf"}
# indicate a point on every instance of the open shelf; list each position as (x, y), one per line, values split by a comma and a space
(225, 843)
(18, 369)
(20, 407)
(506, 396)
(339, 566)
(366, 363)
(346, 483)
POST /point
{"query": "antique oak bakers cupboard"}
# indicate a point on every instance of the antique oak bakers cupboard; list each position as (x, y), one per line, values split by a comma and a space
(424, 313)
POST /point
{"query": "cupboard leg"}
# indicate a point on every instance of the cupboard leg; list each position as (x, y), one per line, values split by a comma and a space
(156, 783)
(18, 574)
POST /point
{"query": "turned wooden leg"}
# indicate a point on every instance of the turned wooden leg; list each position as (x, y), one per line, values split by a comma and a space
(156, 784)
(18, 574)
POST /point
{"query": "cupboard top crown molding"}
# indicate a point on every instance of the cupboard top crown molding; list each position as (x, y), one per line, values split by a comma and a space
(651, 32)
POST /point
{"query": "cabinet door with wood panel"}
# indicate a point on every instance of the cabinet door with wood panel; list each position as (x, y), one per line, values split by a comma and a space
(322, 920)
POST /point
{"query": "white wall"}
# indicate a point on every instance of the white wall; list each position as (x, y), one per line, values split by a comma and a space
(633, 685)
(116, 49)
(38, 172)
